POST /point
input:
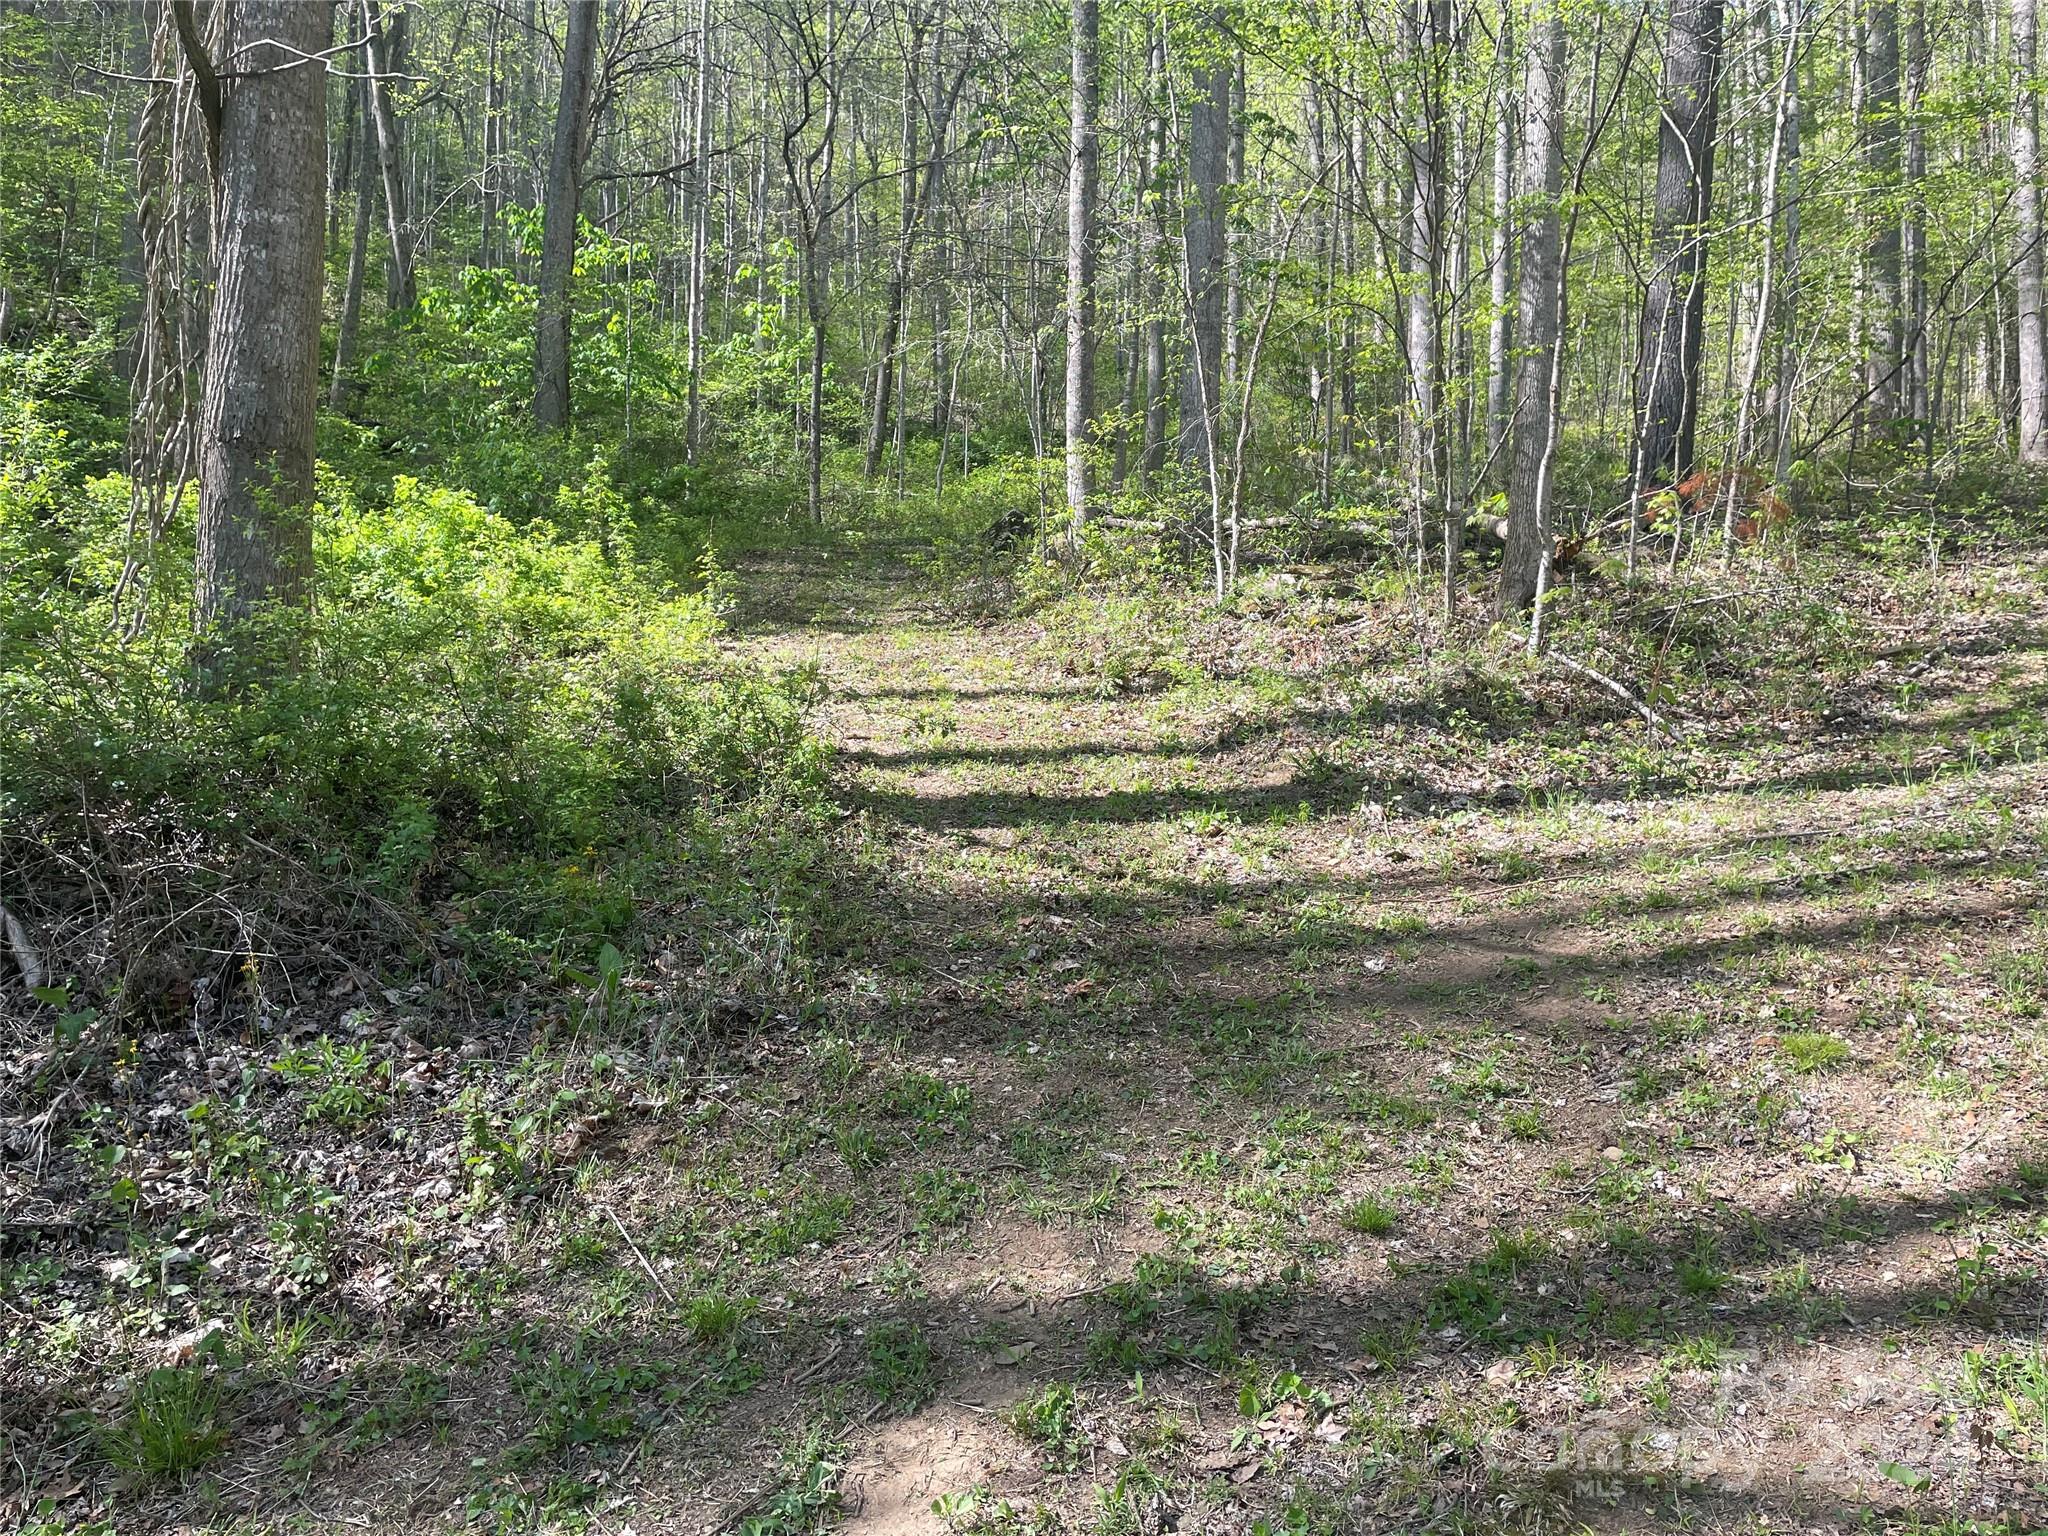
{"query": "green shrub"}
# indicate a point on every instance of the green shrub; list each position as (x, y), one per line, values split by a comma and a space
(475, 707)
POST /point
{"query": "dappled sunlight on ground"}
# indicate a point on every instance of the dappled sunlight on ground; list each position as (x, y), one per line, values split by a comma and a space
(1291, 1091)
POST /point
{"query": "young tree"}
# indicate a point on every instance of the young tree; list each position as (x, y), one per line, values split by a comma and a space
(919, 187)
(1791, 17)
(563, 207)
(267, 137)
(1535, 427)
(350, 323)
(1500, 255)
(1425, 25)
(811, 104)
(1151, 256)
(697, 206)
(2026, 175)
(1675, 299)
(383, 51)
(1766, 298)
(1884, 360)
(1081, 193)
(1202, 218)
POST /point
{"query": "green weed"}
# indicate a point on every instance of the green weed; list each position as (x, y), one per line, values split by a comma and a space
(899, 1371)
(172, 1425)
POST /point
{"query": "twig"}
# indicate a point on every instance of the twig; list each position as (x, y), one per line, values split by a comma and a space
(663, 1284)
(1656, 721)
(26, 957)
(818, 1368)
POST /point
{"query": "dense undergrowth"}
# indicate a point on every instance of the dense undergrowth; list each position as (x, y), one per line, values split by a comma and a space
(513, 729)
(505, 740)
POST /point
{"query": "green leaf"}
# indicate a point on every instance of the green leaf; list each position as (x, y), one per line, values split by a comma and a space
(1904, 1476)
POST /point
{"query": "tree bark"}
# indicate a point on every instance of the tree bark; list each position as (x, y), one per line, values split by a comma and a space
(1674, 304)
(2026, 171)
(1534, 429)
(1427, 24)
(255, 531)
(1082, 172)
(1785, 377)
(1233, 239)
(1152, 457)
(1766, 298)
(494, 140)
(915, 211)
(381, 54)
(1499, 328)
(558, 221)
(1202, 220)
(350, 324)
(698, 201)
(1913, 230)
(1883, 361)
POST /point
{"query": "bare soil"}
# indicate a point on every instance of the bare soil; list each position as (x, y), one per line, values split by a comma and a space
(1312, 1090)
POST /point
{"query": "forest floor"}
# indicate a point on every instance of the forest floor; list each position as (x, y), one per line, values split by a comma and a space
(1331, 1088)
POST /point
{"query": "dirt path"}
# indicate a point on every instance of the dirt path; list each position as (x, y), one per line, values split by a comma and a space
(1628, 1157)
(1262, 1077)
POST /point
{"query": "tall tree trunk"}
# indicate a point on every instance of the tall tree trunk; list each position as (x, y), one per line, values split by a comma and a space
(1233, 240)
(1351, 178)
(1766, 297)
(1427, 22)
(1534, 430)
(529, 101)
(914, 214)
(1083, 156)
(816, 310)
(1202, 220)
(494, 140)
(2026, 171)
(1674, 304)
(350, 323)
(1499, 328)
(882, 398)
(1456, 410)
(1791, 15)
(1913, 231)
(255, 533)
(1151, 255)
(810, 185)
(698, 193)
(382, 52)
(558, 221)
(1883, 362)
(341, 162)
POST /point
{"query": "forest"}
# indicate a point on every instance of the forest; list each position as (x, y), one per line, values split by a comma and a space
(1261, 767)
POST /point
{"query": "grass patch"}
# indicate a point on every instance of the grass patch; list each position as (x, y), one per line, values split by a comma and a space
(1807, 1050)
(1371, 1216)
(172, 1425)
